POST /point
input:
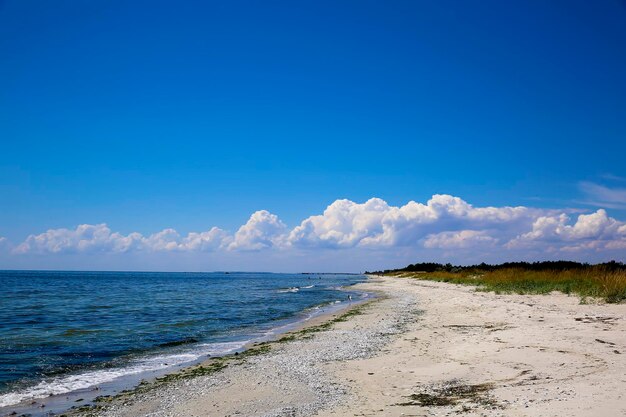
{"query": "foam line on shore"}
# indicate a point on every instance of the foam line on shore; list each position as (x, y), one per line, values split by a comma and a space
(86, 380)
(162, 364)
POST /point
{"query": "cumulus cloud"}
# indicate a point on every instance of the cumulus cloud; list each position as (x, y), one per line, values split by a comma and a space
(210, 240)
(376, 224)
(85, 238)
(263, 230)
(343, 224)
(443, 222)
(170, 240)
(590, 231)
(100, 238)
(460, 239)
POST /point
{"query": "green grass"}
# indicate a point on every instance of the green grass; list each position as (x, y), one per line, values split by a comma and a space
(597, 282)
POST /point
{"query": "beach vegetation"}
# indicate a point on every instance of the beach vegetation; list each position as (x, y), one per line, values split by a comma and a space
(603, 281)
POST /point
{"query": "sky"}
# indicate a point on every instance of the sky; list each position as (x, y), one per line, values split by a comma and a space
(310, 135)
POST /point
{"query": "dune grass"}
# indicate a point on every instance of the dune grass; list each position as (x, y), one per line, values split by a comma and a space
(596, 282)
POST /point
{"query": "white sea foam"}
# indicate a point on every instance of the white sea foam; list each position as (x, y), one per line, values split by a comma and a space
(70, 383)
(308, 286)
(292, 289)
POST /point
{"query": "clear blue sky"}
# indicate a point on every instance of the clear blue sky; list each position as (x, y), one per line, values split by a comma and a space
(192, 114)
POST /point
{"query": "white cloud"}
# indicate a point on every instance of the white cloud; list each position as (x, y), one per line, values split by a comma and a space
(165, 240)
(376, 224)
(590, 232)
(170, 240)
(263, 230)
(88, 238)
(211, 240)
(443, 222)
(461, 239)
(85, 238)
(343, 224)
(596, 225)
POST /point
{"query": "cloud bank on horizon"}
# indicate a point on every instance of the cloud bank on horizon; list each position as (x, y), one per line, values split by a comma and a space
(444, 223)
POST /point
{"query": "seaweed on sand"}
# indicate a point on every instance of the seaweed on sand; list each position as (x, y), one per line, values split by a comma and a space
(454, 393)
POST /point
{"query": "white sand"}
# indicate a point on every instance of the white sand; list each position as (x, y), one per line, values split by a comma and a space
(546, 355)
(534, 355)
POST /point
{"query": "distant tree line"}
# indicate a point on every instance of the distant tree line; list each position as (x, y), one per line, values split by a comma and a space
(533, 266)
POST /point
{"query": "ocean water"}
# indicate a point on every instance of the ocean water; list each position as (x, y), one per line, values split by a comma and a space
(62, 332)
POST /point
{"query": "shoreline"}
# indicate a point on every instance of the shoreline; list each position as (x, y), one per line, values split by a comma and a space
(315, 320)
(68, 403)
(424, 348)
(287, 365)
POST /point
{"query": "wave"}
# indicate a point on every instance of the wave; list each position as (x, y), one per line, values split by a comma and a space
(80, 381)
(292, 289)
(308, 286)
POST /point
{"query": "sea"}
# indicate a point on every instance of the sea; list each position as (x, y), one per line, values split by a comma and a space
(67, 337)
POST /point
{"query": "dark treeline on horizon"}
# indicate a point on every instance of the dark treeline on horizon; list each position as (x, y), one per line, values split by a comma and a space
(532, 266)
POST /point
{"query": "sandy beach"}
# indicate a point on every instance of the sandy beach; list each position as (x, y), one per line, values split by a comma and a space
(422, 349)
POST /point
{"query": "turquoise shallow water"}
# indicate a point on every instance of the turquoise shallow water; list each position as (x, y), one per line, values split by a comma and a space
(66, 331)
